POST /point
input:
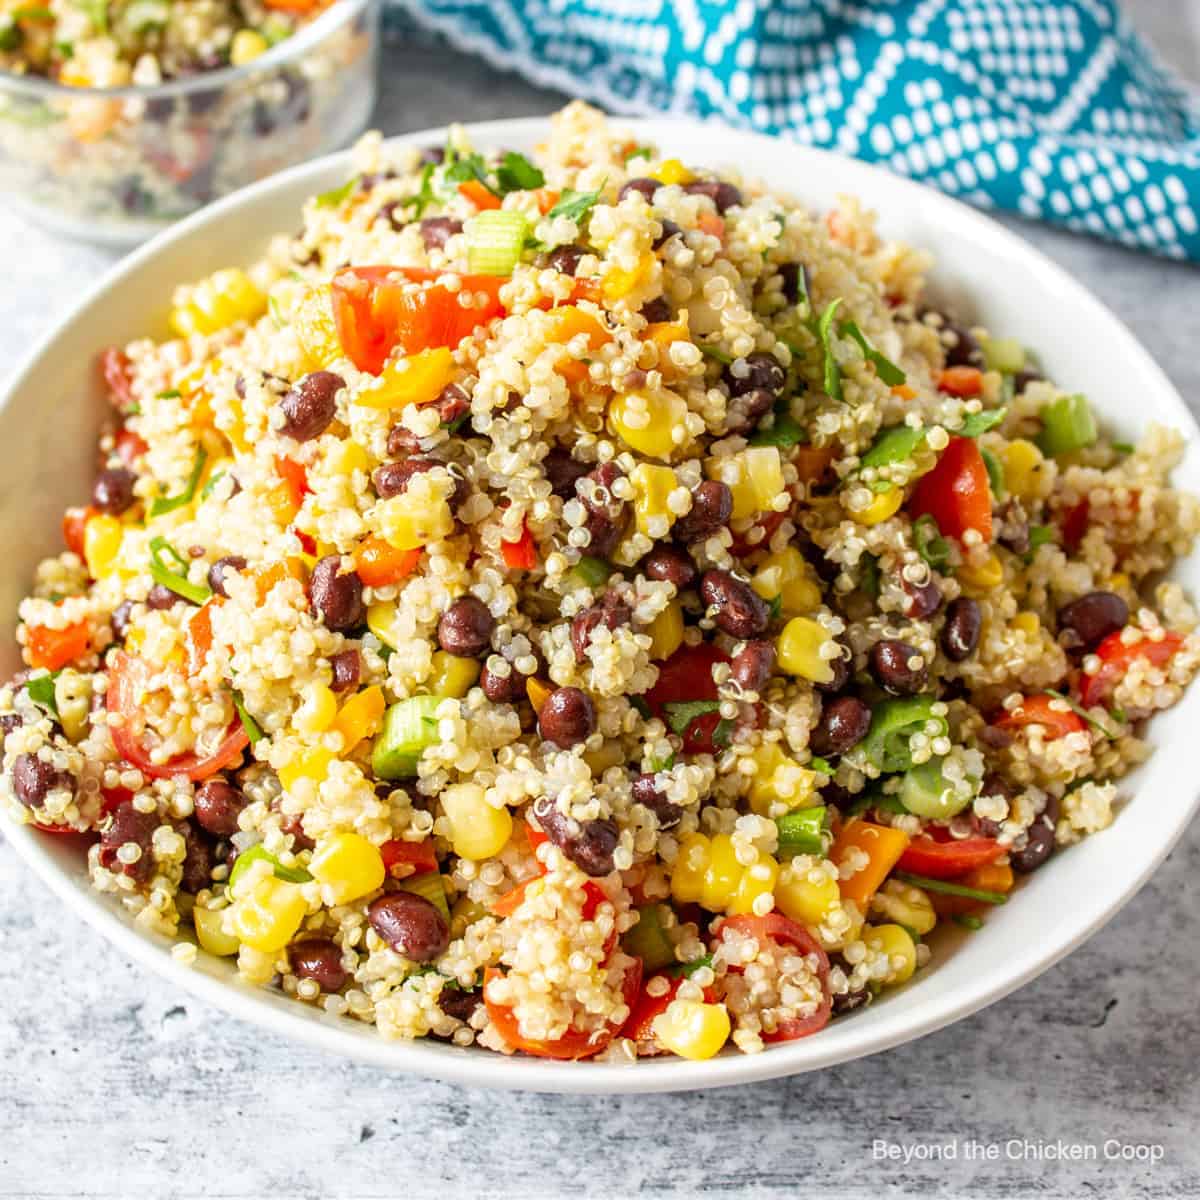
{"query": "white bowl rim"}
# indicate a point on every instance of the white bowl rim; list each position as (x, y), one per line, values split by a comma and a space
(475, 1068)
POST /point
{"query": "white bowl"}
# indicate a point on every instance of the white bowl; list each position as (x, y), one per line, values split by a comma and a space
(49, 417)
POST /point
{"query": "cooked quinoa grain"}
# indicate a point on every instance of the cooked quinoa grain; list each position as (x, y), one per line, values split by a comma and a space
(627, 621)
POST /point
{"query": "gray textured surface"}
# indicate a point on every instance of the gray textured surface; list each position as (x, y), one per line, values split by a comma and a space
(113, 1084)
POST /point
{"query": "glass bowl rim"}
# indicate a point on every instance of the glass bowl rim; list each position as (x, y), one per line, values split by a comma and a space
(340, 13)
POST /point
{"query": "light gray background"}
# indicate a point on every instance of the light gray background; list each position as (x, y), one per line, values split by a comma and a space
(114, 1084)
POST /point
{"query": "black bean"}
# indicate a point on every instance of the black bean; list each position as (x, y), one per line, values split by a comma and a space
(410, 924)
(746, 409)
(198, 859)
(645, 791)
(503, 689)
(160, 598)
(588, 844)
(310, 405)
(128, 826)
(753, 665)
(1012, 526)
(402, 441)
(669, 230)
(9, 722)
(740, 611)
(337, 595)
(456, 1003)
(923, 599)
(121, 618)
(437, 231)
(564, 259)
(346, 666)
(293, 825)
(612, 612)
(995, 738)
(1090, 619)
(1039, 845)
(724, 195)
(217, 805)
(844, 723)
(840, 667)
(562, 471)
(960, 634)
(712, 506)
(432, 154)
(658, 310)
(757, 371)
(892, 665)
(320, 960)
(1024, 377)
(465, 628)
(33, 780)
(670, 564)
(567, 717)
(845, 1002)
(959, 345)
(644, 188)
(792, 274)
(394, 213)
(393, 478)
(219, 569)
(606, 512)
(113, 490)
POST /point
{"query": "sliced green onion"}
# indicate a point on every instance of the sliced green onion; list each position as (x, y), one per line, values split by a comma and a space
(951, 889)
(802, 832)
(995, 472)
(887, 370)
(1124, 447)
(893, 446)
(981, 422)
(166, 504)
(639, 152)
(925, 792)
(495, 240)
(830, 375)
(968, 921)
(517, 174)
(41, 691)
(249, 724)
(260, 853)
(409, 726)
(893, 723)
(1039, 535)
(776, 607)
(681, 713)
(96, 12)
(929, 543)
(334, 197)
(430, 886)
(1003, 354)
(648, 939)
(175, 580)
(1080, 711)
(169, 394)
(687, 970)
(661, 764)
(1067, 425)
(592, 571)
(870, 576)
(714, 352)
(207, 490)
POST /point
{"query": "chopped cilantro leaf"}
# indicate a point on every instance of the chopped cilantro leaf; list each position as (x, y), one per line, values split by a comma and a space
(575, 205)
(929, 543)
(723, 734)
(517, 174)
(41, 691)
(640, 706)
(714, 352)
(995, 472)
(681, 713)
(169, 394)
(335, 196)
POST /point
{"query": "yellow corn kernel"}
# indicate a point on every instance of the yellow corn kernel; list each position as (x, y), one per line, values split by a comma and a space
(210, 932)
(789, 576)
(618, 282)
(764, 470)
(267, 918)
(899, 947)
(477, 829)
(906, 905)
(315, 328)
(707, 873)
(984, 578)
(316, 710)
(609, 755)
(808, 896)
(102, 544)
(418, 516)
(799, 647)
(651, 487)
(538, 692)
(347, 867)
(1027, 623)
(418, 379)
(671, 170)
(346, 457)
(1025, 474)
(359, 717)
(312, 765)
(731, 471)
(646, 422)
(884, 505)
(452, 676)
(780, 783)
(383, 621)
(666, 631)
(73, 700)
(226, 296)
(246, 46)
(1118, 582)
(692, 1029)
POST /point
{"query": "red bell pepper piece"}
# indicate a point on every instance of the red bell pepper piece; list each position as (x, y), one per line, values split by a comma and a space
(955, 493)
(402, 859)
(520, 555)
(939, 856)
(54, 648)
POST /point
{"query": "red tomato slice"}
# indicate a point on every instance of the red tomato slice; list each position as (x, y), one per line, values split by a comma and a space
(74, 519)
(125, 676)
(948, 859)
(1074, 525)
(130, 447)
(775, 927)
(413, 858)
(114, 366)
(376, 311)
(955, 493)
(574, 1044)
(1115, 660)
(1038, 710)
(687, 675)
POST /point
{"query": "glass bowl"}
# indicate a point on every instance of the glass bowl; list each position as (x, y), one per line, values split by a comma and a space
(116, 165)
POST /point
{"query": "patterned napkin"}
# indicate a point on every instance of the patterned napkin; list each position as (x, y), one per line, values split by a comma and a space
(1052, 108)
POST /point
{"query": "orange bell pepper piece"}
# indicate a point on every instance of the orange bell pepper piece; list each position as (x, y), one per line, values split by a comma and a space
(881, 844)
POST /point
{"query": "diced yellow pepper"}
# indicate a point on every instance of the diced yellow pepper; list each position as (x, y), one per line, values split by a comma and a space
(671, 170)
(619, 282)
(418, 516)
(246, 46)
(983, 578)
(883, 505)
(538, 692)
(652, 485)
(780, 783)
(478, 830)
(226, 296)
(359, 717)
(312, 764)
(382, 622)
(210, 932)
(315, 328)
(267, 919)
(899, 947)
(799, 647)
(347, 866)
(568, 322)
(419, 379)
(452, 675)
(1025, 474)
(788, 575)
(280, 501)
(692, 1029)
(647, 422)
(764, 471)
(102, 544)
(346, 457)
(666, 631)
(664, 334)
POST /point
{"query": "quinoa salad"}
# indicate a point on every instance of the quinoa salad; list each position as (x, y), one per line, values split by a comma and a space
(589, 606)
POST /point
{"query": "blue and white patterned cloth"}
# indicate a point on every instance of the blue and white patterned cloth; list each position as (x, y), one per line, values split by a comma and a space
(1052, 108)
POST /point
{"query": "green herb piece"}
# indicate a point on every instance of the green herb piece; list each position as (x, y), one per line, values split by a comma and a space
(64, 50)
(33, 12)
(802, 832)
(951, 889)
(893, 724)
(34, 116)
(995, 472)
(681, 713)
(661, 764)
(169, 394)
(207, 489)
(648, 939)
(775, 607)
(1067, 425)
(1039, 535)
(925, 792)
(259, 853)
(1080, 711)
(517, 174)
(409, 728)
(929, 543)
(424, 197)
(592, 571)
(640, 707)
(575, 205)
(1119, 714)
(41, 691)
(816, 763)
(981, 422)
(274, 28)
(1124, 447)
(1003, 354)
(687, 970)
(714, 352)
(830, 375)
(466, 168)
(10, 35)
(723, 733)
(785, 432)
(968, 921)
(96, 12)
(166, 504)
(639, 152)
(870, 576)
(335, 196)
(887, 370)
(175, 579)
(892, 446)
(249, 724)
(458, 422)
